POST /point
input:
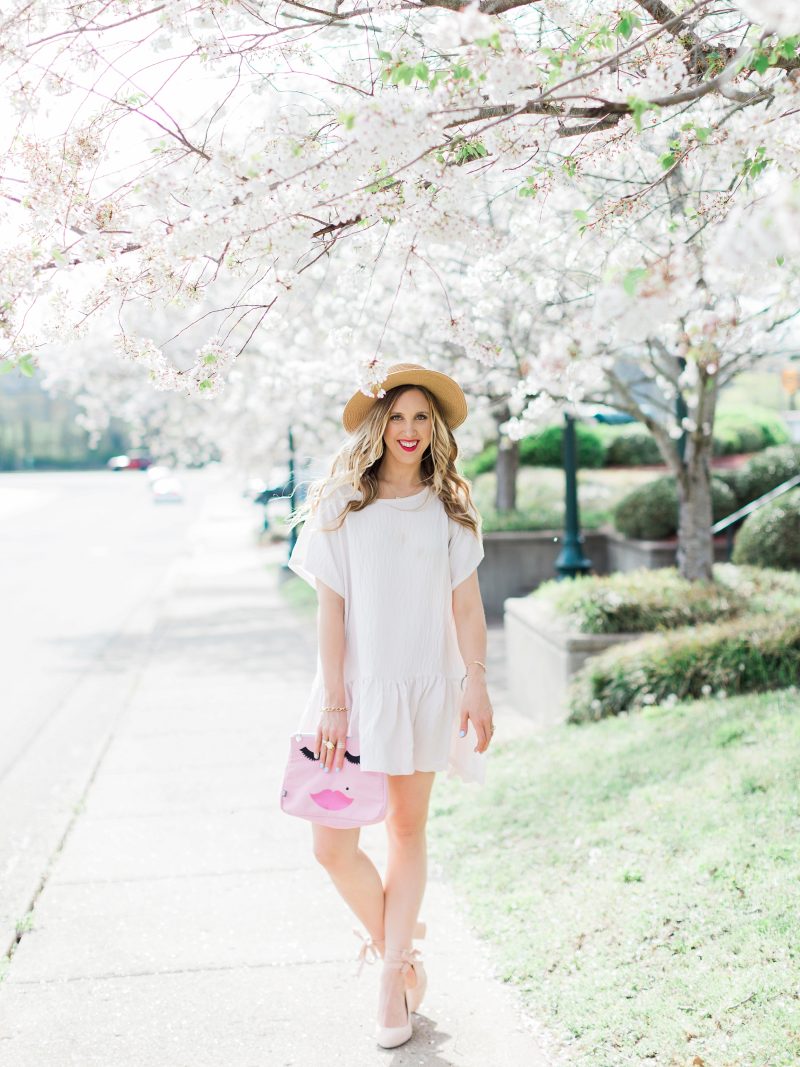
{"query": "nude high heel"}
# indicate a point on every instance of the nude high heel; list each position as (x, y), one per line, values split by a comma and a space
(392, 1036)
(416, 985)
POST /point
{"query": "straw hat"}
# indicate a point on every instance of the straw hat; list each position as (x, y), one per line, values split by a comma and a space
(452, 402)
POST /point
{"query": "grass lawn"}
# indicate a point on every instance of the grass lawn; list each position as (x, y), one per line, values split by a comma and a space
(540, 494)
(639, 880)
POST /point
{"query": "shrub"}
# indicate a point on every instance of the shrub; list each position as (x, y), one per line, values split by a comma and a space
(769, 424)
(770, 537)
(749, 654)
(650, 513)
(763, 588)
(544, 449)
(728, 441)
(729, 478)
(639, 601)
(766, 471)
(483, 462)
(633, 448)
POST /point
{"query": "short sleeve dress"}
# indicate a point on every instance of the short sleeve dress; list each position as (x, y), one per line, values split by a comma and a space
(396, 564)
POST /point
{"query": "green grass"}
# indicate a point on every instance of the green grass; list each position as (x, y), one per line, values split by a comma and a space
(297, 593)
(540, 497)
(639, 880)
(761, 388)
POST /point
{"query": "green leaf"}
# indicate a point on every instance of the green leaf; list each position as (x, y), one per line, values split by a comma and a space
(529, 189)
(25, 365)
(581, 216)
(639, 108)
(6, 367)
(630, 281)
(628, 22)
(347, 119)
(422, 71)
(760, 62)
(385, 57)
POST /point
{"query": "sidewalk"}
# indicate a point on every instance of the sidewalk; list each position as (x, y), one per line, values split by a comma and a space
(184, 921)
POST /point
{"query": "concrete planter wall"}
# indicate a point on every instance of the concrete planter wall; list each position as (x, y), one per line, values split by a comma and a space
(542, 656)
(623, 554)
(515, 564)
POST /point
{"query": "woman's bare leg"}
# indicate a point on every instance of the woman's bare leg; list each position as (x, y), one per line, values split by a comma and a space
(353, 873)
(406, 876)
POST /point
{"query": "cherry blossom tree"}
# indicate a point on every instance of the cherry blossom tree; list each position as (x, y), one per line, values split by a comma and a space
(543, 187)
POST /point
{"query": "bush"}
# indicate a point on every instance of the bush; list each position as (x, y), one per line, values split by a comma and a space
(545, 449)
(729, 478)
(650, 513)
(768, 424)
(770, 537)
(633, 448)
(749, 654)
(639, 601)
(766, 471)
(480, 464)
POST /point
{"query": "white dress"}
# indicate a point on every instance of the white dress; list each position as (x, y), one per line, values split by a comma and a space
(396, 564)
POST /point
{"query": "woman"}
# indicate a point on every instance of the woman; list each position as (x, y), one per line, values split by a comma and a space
(391, 543)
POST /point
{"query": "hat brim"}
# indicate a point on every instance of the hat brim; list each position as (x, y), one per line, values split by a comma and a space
(448, 393)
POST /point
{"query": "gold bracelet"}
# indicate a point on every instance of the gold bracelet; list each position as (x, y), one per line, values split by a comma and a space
(334, 709)
(475, 661)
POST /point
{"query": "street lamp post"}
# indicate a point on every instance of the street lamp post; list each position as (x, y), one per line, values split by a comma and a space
(571, 560)
(292, 487)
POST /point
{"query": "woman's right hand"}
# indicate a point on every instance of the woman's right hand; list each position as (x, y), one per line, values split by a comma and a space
(333, 726)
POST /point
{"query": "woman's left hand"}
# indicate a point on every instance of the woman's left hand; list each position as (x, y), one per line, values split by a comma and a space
(477, 708)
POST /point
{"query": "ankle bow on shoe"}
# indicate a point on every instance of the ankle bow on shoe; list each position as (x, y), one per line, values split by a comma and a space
(409, 961)
(369, 952)
(404, 958)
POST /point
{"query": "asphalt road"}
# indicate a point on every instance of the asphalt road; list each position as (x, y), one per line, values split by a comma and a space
(79, 552)
(82, 557)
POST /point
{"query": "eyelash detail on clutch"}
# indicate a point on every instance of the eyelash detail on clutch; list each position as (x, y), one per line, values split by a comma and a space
(310, 755)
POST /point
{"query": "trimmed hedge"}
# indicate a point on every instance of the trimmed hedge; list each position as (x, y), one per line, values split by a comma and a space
(749, 654)
(650, 512)
(634, 447)
(739, 429)
(639, 601)
(748, 428)
(545, 449)
(765, 471)
(770, 537)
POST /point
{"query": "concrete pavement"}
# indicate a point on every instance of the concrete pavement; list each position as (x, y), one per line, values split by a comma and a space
(182, 919)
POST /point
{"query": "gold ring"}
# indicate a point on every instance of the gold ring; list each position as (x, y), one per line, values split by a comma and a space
(329, 744)
(341, 744)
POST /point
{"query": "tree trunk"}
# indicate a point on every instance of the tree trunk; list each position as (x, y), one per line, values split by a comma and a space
(695, 543)
(506, 469)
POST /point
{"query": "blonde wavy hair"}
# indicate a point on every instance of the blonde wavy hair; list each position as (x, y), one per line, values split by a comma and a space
(357, 462)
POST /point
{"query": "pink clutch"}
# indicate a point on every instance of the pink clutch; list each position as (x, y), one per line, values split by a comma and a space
(350, 797)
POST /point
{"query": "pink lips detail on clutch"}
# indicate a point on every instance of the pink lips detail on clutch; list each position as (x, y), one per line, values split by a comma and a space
(331, 799)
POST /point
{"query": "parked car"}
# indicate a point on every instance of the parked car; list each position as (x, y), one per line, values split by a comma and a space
(133, 461)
